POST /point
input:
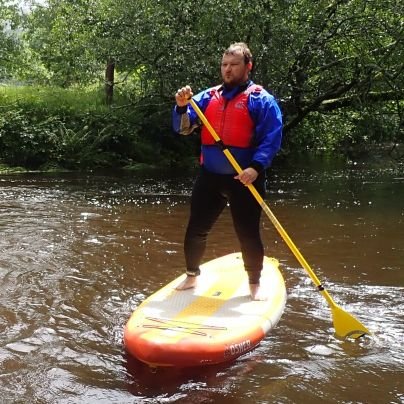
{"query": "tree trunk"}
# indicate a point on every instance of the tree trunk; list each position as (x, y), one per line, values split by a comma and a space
(109, 81)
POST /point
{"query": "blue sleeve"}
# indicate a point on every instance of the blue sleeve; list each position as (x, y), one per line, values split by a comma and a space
(202, 100)
(267, 116)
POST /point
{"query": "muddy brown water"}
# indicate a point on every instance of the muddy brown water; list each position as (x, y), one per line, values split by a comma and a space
(79, 252)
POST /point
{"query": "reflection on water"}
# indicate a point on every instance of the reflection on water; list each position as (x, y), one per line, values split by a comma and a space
(79, 252)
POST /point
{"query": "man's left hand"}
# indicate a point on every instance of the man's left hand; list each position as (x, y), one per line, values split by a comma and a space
(247, 176)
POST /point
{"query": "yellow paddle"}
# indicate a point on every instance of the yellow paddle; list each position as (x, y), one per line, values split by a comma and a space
(345, 325)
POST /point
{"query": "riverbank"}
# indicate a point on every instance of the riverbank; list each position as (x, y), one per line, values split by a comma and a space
(45, 128)
(52, 129)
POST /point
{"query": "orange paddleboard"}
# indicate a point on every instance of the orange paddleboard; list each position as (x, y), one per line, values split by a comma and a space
(213, 323)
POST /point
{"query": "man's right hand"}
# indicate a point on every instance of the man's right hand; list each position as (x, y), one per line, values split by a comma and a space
(183, 95)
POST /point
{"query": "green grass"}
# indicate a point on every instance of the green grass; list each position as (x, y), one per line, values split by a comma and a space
(6, 169)
(55, 98)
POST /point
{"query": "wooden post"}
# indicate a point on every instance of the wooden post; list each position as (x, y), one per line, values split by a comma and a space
(109, 81)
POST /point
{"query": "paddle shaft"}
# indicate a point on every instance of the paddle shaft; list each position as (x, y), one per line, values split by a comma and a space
(266, 209)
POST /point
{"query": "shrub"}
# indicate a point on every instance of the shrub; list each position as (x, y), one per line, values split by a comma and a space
(64, 128)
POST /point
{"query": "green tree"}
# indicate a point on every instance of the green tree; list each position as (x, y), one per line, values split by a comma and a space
(9, 38)
(325, 61)
(59, 34)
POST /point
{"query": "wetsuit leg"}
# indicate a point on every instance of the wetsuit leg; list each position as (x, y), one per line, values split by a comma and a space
(246, 214)
(207, 202)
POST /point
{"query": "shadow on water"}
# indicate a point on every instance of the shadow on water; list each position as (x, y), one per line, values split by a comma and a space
(195, 385)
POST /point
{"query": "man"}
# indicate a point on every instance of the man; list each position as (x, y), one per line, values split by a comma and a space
(249, 122)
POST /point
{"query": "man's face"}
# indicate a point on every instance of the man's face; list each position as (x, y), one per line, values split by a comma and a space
(234, 69)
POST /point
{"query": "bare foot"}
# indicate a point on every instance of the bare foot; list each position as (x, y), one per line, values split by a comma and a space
(257, 293)
(188, 283)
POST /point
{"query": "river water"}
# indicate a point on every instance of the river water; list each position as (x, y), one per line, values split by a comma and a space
(79, 252)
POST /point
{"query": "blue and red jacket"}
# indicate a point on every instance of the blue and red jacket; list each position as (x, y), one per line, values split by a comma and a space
(246, 118)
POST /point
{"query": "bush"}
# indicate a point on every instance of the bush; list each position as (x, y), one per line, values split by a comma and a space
(64, 128)
(26, 141)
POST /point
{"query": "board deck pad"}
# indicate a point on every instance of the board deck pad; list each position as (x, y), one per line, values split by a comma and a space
(215, 322)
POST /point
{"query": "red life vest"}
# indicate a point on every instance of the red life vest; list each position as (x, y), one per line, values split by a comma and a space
(230, 118)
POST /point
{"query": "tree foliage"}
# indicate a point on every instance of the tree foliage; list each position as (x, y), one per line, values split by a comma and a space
(335, 65)
(10, 44)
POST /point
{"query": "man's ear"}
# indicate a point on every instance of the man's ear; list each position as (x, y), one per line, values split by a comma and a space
(249, 66)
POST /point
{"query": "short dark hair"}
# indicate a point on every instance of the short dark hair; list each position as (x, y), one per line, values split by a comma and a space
(240, 48)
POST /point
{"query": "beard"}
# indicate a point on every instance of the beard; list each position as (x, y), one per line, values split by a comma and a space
(232, 82)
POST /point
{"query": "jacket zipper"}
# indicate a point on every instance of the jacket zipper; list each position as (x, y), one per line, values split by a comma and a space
(223, 118)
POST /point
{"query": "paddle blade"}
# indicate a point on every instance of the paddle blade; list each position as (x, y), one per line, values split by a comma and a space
(346, 325)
